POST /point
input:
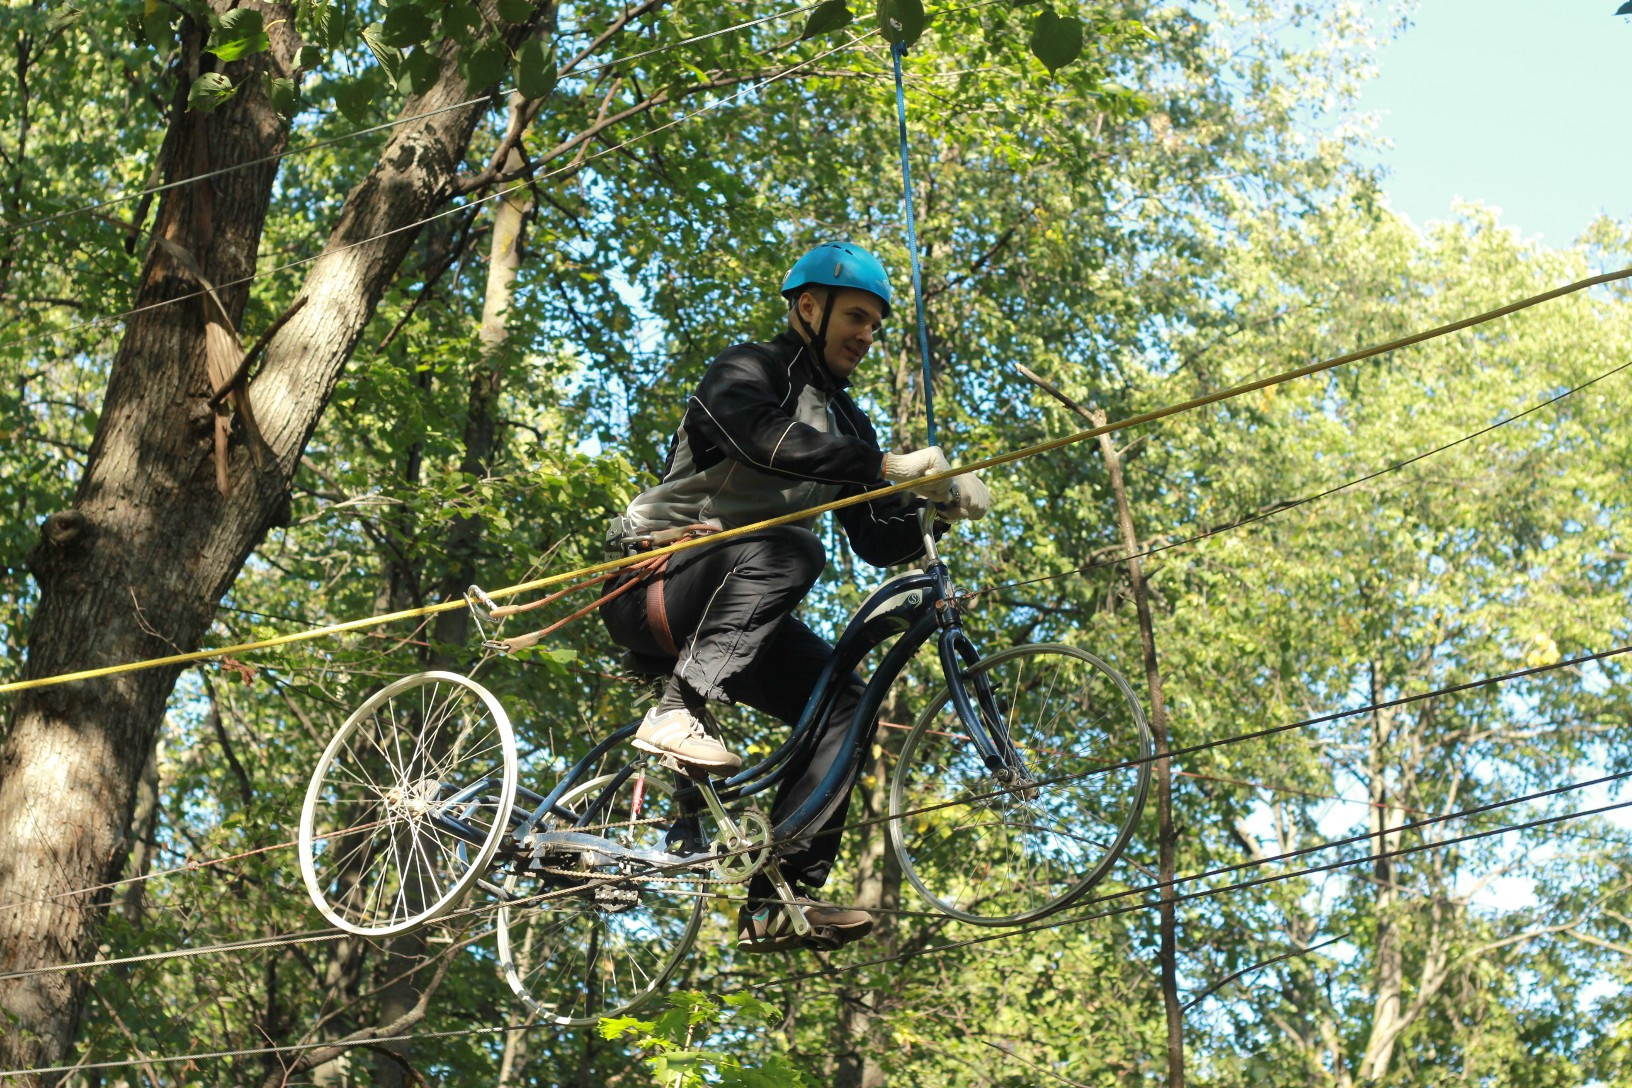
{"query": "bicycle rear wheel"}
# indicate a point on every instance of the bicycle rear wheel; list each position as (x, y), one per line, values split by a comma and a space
(1014, 845)
(599, 939)
(408, 804)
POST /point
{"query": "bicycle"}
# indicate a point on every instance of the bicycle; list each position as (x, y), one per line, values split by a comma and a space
(1014, 792)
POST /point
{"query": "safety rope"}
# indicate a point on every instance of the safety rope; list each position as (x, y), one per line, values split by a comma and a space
(897, 51)
(837, 504)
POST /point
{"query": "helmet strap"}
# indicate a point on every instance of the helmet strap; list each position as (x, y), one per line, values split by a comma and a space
(818, 336)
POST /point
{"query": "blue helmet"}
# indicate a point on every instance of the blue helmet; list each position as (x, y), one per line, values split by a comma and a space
(840, 264)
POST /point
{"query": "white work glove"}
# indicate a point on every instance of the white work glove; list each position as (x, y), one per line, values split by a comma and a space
(900, 468)
(970, 500)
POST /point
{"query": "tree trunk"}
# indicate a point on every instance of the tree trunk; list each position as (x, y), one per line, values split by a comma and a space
(878, 888)
(465, 534)
(1165, 836)
(134, 569)
(1388, 972)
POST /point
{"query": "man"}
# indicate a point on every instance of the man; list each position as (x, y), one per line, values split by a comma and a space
(771, 431)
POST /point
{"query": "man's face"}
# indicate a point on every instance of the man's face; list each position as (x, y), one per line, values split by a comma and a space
(857, 318)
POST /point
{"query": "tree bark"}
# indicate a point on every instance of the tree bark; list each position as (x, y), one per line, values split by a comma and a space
(878, 888)
(148, 521)
(1173, 1006)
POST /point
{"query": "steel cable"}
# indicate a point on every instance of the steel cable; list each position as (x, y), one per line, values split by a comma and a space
(822, 508)
(317, 145)
(681, 867)
(1053, 923)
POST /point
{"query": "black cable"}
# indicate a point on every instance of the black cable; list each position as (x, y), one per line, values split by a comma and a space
(6, 229)
(1294, 504)
(845, 968)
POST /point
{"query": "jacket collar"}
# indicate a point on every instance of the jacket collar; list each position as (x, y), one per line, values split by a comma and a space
(814, 371)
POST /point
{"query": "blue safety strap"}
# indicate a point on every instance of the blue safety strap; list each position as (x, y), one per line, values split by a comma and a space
(899, 50)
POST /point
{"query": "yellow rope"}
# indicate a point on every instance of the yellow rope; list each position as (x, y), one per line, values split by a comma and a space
(786, 519)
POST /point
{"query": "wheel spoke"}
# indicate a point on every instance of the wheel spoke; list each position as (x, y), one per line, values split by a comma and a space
(386, 771)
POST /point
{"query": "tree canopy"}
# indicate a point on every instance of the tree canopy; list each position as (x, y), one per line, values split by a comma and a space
(486, 249)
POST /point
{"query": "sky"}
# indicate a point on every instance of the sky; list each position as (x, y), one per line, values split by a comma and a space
(1521, 104)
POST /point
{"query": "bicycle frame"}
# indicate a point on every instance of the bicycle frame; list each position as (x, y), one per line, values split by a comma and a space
(910, 608)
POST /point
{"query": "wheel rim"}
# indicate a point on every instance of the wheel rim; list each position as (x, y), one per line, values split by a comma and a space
(572, 959)
(383, 848)
(991, 849)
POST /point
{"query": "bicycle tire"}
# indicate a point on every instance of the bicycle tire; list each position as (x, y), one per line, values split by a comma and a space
(601, 943)
(379, 850)
(995, 851)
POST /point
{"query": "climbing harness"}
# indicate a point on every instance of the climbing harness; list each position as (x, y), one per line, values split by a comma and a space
(648, 572)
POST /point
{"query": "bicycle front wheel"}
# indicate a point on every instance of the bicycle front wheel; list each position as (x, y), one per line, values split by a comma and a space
(408, 804)
(1007, 846)
(598, 939)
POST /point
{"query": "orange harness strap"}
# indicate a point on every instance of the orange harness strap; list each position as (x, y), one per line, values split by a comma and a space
(650, 571)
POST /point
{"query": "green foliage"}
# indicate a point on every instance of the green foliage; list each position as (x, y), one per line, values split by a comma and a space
(901, 21)
(829, 16)
(238, 33)
(1056, 40)
(1155, 218)
(674, 1037)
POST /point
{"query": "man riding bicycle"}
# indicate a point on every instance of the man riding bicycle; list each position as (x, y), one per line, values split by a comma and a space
(769, 431)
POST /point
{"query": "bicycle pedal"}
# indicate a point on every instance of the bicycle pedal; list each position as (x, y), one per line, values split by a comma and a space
(823, 939)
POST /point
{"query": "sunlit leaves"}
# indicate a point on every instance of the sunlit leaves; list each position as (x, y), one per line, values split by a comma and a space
(324, 23)
(238, 33)
(389, 57)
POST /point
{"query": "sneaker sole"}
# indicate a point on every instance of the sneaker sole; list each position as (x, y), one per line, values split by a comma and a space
(648, 746)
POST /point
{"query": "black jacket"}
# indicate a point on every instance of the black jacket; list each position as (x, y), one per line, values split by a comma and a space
(770, 431)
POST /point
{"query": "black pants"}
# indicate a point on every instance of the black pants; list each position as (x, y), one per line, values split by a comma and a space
(729, 609)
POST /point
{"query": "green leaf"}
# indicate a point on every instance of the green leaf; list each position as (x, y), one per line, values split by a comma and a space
(1056, 40)
(389, 57)
(156, 24)
(484, 66)
(515, 11)
(284, 95)
(356, 99)
(827, 18)
(421, 70)
(614, 1026)
(901, 21)
(238, 34)
(405, 26)
(328, 25)
(749, 1005)
(535, 69)
(311, 56)
(458, 20)
(209, 91)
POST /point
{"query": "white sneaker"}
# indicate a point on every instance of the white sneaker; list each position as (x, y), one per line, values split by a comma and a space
(684, 735)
